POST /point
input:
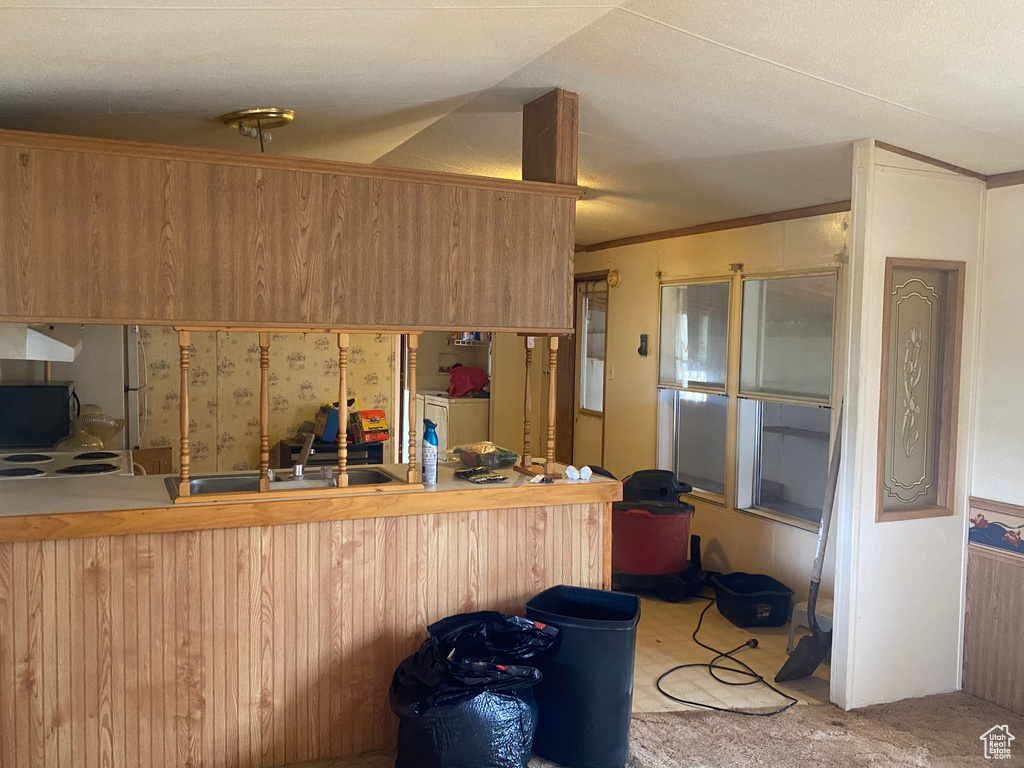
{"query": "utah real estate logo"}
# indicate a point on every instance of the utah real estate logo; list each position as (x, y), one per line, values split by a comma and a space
(997, 742)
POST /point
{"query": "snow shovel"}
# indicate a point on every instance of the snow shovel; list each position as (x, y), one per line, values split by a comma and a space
(812, 649)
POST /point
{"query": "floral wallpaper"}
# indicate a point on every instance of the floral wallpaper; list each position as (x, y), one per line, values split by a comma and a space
(1003, 531)
(224, 389)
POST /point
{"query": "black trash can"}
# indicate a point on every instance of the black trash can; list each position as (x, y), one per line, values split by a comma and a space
(585, 700)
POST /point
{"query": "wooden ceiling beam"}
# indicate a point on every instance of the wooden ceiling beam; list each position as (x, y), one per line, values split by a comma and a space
(931, 161)
(551, 137)
(1009, 179)
(717, 226)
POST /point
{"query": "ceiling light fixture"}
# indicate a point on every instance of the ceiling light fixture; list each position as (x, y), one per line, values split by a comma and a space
(257, 123)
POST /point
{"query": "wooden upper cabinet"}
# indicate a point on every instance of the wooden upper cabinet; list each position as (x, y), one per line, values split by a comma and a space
(94, 230)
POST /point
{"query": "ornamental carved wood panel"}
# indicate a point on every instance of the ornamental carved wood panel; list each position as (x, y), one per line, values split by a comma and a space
(922, 328)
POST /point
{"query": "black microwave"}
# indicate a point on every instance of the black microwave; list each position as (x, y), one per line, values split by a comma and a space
(34, 414)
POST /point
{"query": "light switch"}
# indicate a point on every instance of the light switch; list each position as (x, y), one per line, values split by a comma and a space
(611, 372)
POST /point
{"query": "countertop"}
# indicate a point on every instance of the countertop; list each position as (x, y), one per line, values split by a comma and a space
(72, 507)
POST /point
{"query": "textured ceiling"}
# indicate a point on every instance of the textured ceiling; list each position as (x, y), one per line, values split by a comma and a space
(690, 111)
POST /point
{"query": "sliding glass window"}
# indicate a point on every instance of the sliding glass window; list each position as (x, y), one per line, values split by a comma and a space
(692, 378)
(785, 383)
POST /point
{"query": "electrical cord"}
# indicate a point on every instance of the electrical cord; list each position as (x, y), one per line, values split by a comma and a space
(742, 669)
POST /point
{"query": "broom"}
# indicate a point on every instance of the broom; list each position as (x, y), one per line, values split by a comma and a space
(812, 649)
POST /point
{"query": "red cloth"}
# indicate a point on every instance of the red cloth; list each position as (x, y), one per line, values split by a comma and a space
(466, 382)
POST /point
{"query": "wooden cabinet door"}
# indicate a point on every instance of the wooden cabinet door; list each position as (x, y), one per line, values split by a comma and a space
(468, 421)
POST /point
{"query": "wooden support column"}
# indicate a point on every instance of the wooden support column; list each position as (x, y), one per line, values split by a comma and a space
(264, 412)
(414, 470)
(184, 340)
(342, 410)
(525, 466)
(549, 464)
(551, 137)
(550, 149)
(528, 405)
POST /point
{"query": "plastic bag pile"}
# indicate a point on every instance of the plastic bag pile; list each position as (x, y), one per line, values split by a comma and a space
(465, 697)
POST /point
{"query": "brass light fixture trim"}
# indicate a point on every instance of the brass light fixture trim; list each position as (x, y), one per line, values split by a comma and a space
(265, 119)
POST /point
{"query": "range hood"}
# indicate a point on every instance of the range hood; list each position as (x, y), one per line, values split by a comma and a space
(21, 341)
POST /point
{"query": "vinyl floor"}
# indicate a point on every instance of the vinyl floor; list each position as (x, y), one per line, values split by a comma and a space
(664, 640)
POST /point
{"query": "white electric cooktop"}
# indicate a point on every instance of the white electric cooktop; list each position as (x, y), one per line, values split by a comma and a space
(24, 465)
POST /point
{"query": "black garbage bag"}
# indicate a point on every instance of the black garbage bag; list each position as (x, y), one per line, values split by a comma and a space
(492, 637)
(462, 700)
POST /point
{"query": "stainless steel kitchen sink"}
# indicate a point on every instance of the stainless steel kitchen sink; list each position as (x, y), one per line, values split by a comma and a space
(368, 476)
(237, 483)
(215, 484)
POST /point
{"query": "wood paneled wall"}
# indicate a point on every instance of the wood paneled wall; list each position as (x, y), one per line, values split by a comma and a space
(993, 628)
(252, 646)
(103, 231)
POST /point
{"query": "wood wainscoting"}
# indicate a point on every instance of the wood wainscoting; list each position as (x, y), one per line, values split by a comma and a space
(255, 646)
(994, 622)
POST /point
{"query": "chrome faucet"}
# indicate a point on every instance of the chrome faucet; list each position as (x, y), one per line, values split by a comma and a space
(304, 454)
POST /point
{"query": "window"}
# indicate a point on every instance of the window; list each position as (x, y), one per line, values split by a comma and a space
(696, 449)
(787, 338)
(775, 389)
(694, 321)
(783, 458)
(692, 373)
(593, 304)
(785, 388)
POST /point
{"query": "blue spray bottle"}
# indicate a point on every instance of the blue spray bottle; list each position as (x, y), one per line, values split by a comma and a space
(429, 452)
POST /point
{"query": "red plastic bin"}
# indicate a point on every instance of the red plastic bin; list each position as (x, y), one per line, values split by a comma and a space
(650, 539)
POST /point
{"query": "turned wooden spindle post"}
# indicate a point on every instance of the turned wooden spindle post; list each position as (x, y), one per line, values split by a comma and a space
(549, 465)
(184, 340)
(527, 461)
(264, 412)
(342, 410)
(414, 343)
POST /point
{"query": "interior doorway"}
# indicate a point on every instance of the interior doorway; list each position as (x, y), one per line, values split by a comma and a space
(589, 355)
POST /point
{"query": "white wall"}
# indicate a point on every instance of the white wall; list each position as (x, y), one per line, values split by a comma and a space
(732, 540)
(999, 410)
(97, 373)
(899, 590)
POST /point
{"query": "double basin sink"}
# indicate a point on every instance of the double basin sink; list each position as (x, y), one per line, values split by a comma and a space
(283, 481)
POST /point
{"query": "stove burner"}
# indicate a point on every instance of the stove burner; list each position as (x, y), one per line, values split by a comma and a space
(95, 456)
(27, 458)
(21, 472)
(87, 469)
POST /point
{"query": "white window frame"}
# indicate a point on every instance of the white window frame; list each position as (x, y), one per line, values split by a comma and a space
(667, 448)
(583, 324)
